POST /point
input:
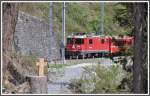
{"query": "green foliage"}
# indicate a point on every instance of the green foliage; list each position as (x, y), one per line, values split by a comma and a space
(125, 16)
(126, 83)
(80, 17)
(122, 16)
(100, 80)
(95, 25)
(109, 79)
(57, 66)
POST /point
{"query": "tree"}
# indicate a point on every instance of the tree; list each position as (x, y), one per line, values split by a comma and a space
(9, 19)
(134, 17)
(138, 23)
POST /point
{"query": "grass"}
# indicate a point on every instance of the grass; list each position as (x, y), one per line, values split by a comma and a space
(57, 66)
(88, 60)
(25, 64)
(72, 62)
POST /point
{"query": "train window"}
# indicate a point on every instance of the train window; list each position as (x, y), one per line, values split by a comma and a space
(102, 41)
(90, 41)
(79, 41)
(120, 42)
(130, 42)
(69, 41)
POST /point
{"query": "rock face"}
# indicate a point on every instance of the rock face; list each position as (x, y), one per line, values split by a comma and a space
(32, 36)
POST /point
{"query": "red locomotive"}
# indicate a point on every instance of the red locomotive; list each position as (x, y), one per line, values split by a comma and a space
(87, 45)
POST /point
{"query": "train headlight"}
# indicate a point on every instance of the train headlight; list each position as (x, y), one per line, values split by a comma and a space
(79, 47)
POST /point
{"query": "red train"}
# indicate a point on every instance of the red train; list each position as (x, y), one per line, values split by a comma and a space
(87, 45)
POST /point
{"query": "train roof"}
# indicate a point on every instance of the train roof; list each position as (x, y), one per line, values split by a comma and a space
(84, 35)
(93, 35)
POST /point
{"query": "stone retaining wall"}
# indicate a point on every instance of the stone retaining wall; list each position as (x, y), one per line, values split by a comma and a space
(32, 36)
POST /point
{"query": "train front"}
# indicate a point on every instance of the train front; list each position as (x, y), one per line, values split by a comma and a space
(74, 45)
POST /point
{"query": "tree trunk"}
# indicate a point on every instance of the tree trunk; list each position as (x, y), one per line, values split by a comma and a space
(38, 84)
(138, 14)
(9, 19)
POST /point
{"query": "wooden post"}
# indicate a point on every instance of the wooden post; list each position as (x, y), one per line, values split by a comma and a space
(38, 84)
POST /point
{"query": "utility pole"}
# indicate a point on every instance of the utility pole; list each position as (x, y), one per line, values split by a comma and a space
(102, 18)
(51, 28)
(63, 34)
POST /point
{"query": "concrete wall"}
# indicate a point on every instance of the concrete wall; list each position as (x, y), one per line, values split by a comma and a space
(32, 36)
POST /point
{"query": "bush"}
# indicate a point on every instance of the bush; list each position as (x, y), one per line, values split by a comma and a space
(109, 79)
(100, 80)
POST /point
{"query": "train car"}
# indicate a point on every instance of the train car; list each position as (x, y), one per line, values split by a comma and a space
(87, 45)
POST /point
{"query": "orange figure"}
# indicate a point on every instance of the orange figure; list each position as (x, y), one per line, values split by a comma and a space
(40, 66)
